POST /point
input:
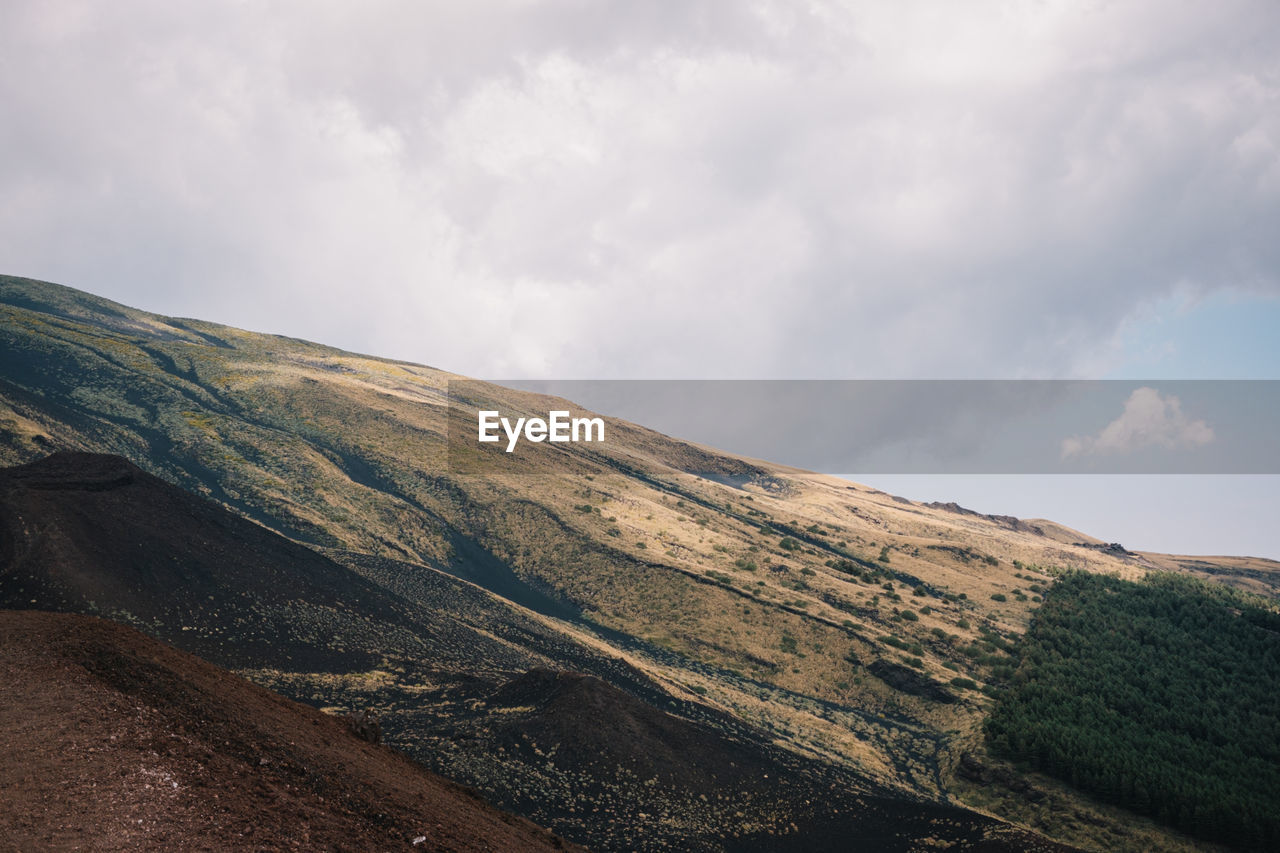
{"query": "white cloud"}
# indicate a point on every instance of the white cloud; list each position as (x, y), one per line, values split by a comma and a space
(699, 189)
(1149, 420)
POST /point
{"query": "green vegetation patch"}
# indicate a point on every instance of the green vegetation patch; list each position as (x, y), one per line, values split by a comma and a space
(1158, 696)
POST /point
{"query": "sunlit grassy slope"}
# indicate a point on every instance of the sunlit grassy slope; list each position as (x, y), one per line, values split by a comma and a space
(854, 626)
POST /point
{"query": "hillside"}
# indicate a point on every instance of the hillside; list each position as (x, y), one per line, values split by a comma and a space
(856, 630)
(114, 741)
(85, 532)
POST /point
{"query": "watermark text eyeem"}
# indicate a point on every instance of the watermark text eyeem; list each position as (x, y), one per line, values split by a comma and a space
(556, 427)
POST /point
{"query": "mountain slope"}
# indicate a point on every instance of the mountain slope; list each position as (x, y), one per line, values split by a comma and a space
(831, 616)
(115, 741)
(81, 529)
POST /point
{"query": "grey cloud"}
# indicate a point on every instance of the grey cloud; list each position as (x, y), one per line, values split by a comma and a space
(618, 189)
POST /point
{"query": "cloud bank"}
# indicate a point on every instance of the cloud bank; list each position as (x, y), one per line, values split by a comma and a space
(703, 189)
(1149, 420)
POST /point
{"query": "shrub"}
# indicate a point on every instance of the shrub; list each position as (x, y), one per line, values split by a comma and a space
(999, 596)
(365, 725)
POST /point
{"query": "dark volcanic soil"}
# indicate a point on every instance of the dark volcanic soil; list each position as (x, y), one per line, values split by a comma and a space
(112, 740)
(632, 777)
(83, 532)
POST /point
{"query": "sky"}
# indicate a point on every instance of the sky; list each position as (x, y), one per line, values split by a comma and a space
(711, 190)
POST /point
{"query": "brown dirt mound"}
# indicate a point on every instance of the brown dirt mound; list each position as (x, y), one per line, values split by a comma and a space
(590, 723)
(113, 740)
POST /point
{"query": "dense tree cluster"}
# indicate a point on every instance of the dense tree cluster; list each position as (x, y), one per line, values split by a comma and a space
(1162, 697)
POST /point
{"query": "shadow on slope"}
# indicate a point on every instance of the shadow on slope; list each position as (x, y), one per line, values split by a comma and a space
(93, 533)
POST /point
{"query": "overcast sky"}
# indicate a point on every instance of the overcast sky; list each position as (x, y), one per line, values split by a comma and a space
(665, 190)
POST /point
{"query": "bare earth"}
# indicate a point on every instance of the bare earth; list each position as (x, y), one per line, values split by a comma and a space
(112, 740)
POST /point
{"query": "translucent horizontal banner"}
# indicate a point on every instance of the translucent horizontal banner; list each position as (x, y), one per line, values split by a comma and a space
(891, 426)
